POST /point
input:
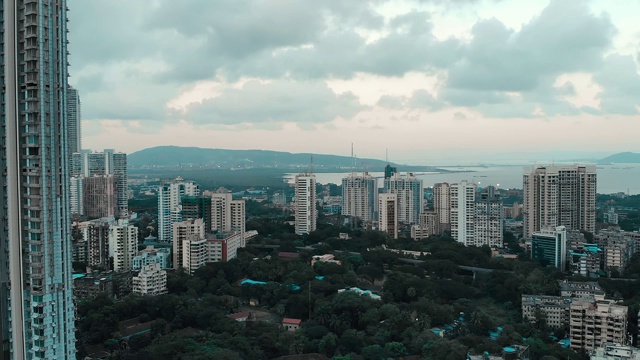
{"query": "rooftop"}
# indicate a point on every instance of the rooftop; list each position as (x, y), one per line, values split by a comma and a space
(291, 321)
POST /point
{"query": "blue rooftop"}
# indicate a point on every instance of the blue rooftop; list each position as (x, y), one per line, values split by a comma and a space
(252, 282)
(78, 276)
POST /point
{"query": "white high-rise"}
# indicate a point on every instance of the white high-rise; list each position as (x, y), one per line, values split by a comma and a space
(123, 245)
(360, 196)
(190, 231)
(169, 205)
(559, 196)
(388, 214)
(410, 191)
(463, 212)
(305, 204)
(489, 218)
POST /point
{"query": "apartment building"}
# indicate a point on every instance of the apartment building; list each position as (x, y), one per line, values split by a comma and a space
(170, 196)
(388, 214)
(123, 245)
(151, 280)
(190, 230)
(553, 309)
(410, 196)
(462, 202)
(194, 253)
(442, 205)
(360, 196)
(95, 234)
(428, 225)
(594, 323)
(151, 255)
(100, 197)
(489, 218)
(559, 196)
(305, 211)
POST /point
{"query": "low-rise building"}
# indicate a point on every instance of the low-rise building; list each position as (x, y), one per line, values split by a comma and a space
(594, 323)
(151, 255)
(328, 258)
(553, 309)
(581, 289)
(151, 280)
(291, 324)
(615, 352)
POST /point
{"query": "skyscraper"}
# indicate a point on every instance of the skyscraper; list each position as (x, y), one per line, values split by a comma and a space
(463, 212)
(410, 196)
(74, 114)
(36, 289)
(305, 205)
(559, 196)
(360, 196)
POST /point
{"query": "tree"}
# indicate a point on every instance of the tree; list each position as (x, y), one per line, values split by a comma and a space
(395, 349)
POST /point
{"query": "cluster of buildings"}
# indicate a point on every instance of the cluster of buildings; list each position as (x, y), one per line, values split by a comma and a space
(592, 320)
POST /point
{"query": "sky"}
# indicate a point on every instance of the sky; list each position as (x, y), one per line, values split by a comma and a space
(432, 81)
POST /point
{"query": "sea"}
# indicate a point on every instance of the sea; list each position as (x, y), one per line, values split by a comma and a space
(611, 178)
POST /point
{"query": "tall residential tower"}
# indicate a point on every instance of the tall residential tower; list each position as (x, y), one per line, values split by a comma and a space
(559, 196)
(305, 205)
(36, 289)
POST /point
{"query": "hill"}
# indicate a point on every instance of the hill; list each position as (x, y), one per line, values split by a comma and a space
(621, 158)
(175, 157)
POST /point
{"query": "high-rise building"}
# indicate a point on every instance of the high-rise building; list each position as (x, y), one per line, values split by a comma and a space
(89, 164)
(442, 205)
(99, 197)
(463, 211)
(74, 114)
(360, 196)
(170, 196)
(227, 215)
(197, 207)
(549, 247)
(190, 230)
(95, 234)
(36, 289)
(489, 218)
(123, 245)
(410, 191)
(559, 196)
(76, 196)
(305, 205)
(428, 225)
(388, 214)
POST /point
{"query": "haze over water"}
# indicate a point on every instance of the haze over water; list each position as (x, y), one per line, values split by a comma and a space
(611, 178)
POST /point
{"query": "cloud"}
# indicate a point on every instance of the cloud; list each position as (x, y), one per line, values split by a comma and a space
(621, 82)
(278, 101)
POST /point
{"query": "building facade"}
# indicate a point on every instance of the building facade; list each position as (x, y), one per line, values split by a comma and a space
(100, 197)
(549, 247)
(190, 230)
(36, 287)
(151, 281)
(442, 205)
(388, 214)
(489, 218)
(74, 114)
(463, 211)
(170, 196)
(151, 255)
(123, 245)
(410, 195)
(95, 234)
(594, 323)
(428, 225)
(559, 196)
(306, 214)
(360, 196)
